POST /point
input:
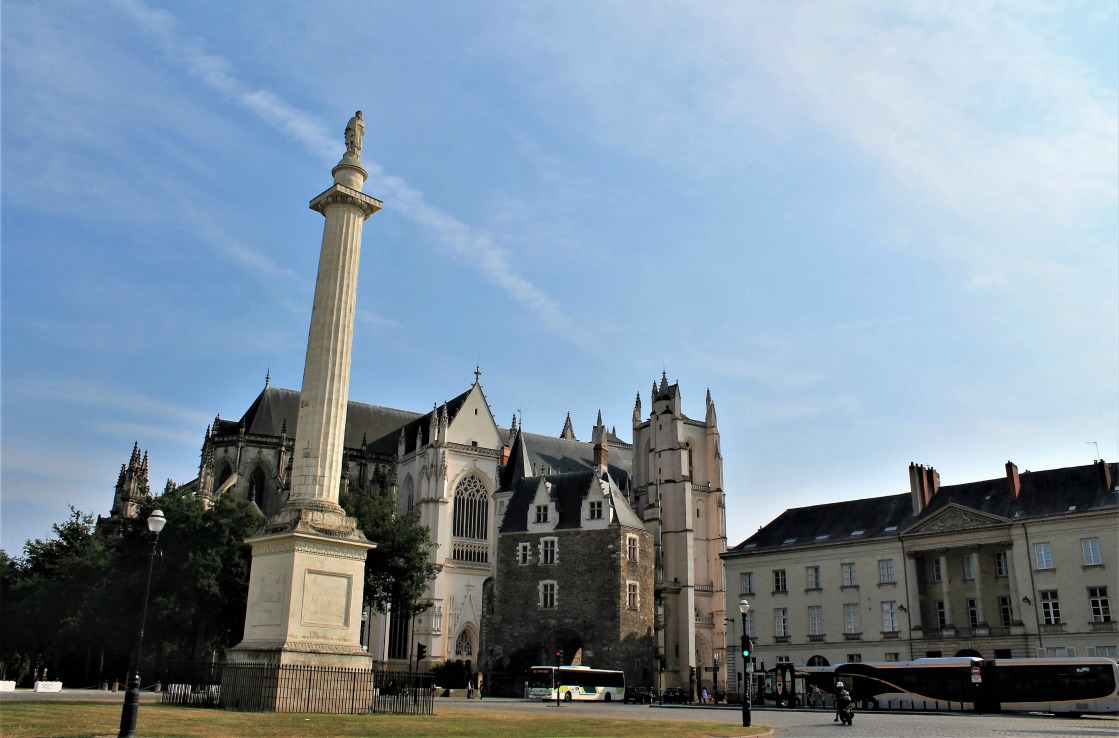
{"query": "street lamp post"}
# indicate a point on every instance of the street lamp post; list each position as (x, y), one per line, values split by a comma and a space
(156, 521)
(744, 607)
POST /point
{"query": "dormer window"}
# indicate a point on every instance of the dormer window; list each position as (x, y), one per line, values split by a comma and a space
(541, 513)
(595, 510)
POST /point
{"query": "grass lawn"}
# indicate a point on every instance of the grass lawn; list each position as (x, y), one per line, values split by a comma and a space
(43, 719)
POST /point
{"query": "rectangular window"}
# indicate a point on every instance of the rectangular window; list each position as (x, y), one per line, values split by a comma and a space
(1043, 556)
(892, 656)
(541, 513)
(941, 614)
(1002, 568)
(779, 584)
(886, 571)
(1006, 611)
(812, 577)
(815, 620)
(781, 622)
(854, 658)
(1050, 607)
(631, 548)
(548, 595)
(1091, 547)
(746, 582)
(1101, 605)
(890, 617)
(631, 595)
(595, 511)
(849, 578)
(851, 618)
(750, 625)
(938, 575)
(973, 613)
(549, 550)
(969, 567)
(524, 553)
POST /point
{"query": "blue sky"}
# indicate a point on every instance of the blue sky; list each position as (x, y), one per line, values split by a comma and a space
(878, 232)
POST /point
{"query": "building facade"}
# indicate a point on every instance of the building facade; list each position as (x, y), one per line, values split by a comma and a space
(1018, 566)
(664, 490)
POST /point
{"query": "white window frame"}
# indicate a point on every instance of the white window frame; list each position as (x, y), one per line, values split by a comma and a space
(812, 577)
(815, 620)
(938, 575)
(549, 554)
(633, 595)
(781, 621)
(890, 616)
(851, 617)
(548, 593)
(1091, 549)
(633, 547)
(746, 582)
(780, 581)
(1043, 556)
(1002, 564)
(594, 510)
(850, 574)
(1050, 607)
(541, 514)
(1100, 604)
(886, 571)
(524, 553)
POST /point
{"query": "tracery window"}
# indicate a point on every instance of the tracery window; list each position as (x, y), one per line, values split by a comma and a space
(463, 646)
(471, 509)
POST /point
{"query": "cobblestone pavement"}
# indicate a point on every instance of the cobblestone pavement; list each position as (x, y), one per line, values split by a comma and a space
(817, 723)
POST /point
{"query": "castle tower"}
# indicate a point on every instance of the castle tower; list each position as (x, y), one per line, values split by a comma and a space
(307, 576)
(678, 482)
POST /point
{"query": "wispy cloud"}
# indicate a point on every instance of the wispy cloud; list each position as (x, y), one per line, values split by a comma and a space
(81, 392)
(469, 244)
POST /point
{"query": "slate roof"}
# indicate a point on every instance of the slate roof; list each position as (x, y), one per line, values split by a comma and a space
(1043, 493)
(274, 406)
(568, 491)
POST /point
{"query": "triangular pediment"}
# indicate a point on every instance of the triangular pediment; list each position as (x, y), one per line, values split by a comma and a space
(953, 518)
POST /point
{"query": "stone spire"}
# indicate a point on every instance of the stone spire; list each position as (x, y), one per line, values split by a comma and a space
(637, 411)
(568, 431)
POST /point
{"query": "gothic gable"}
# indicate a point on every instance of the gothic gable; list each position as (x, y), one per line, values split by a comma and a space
(953, 518)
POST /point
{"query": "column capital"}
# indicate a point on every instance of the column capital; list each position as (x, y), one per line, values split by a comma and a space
(343, 195)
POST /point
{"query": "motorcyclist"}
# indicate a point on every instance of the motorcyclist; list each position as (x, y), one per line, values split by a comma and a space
(840, 694)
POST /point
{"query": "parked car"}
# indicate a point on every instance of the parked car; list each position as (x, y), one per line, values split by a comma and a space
(675, 695)
(640, 695)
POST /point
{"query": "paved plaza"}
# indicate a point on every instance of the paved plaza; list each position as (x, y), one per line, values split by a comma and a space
(802, 723)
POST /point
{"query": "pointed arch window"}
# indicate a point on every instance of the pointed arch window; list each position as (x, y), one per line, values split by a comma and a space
(256, 487)
(463, 645)
(471, 509)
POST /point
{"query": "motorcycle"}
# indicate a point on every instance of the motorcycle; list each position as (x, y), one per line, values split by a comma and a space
(846, 709)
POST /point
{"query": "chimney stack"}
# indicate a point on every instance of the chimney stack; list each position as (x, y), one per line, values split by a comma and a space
(923, 484)
(1014, 484)
(1104, 474)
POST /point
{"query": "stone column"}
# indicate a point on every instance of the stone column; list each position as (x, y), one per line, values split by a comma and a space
(1015, 595)
(978, 574)
(321, 428)
(945, 590)
(308, 569)
(913, 591)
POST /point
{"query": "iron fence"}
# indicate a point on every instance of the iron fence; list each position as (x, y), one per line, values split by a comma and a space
(298, 688)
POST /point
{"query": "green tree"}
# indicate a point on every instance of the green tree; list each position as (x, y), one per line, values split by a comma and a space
(399, 569)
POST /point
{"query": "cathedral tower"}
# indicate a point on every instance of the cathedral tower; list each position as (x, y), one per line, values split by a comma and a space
(678, 487)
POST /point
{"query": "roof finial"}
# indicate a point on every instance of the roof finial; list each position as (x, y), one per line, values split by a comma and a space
(477, 374)
(267, 377)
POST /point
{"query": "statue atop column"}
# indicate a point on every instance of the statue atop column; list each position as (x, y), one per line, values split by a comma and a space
(355, 129)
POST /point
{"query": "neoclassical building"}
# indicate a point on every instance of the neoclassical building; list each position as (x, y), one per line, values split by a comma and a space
(665, 490)
(1017, 566)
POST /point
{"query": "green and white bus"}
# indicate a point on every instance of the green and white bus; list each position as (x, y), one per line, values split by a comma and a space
(575, 683)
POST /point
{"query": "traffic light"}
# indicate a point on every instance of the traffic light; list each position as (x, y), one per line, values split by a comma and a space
(692, 672)
(559, 658)
(664, 664)
(745, 646)
(421, 652)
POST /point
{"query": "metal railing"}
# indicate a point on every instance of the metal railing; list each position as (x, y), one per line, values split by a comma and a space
(298, 688)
